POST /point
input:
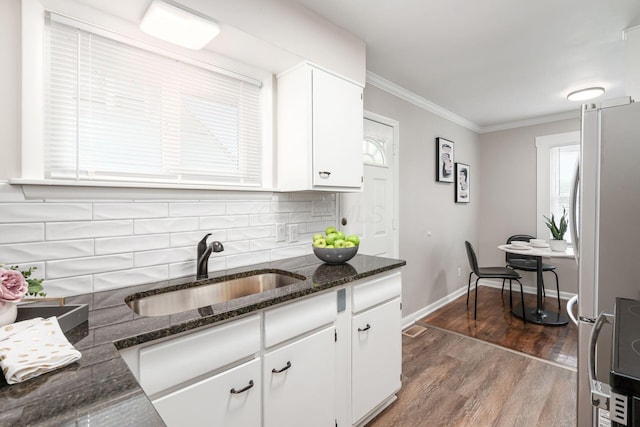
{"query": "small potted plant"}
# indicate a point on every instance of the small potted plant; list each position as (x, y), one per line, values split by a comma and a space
(558, 243)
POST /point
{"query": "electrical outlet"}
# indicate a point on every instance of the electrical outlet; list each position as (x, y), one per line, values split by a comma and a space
(293, 232)
(459, 271)
(280, 232)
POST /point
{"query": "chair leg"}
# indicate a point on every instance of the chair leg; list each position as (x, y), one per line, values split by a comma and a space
(522, 301)
(557, 288)
(510, 303)
(469, 288)
(502, 286)
(475, 304)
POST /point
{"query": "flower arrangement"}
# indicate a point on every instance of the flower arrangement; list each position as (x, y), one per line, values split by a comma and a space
(557, 230)
(15, 284)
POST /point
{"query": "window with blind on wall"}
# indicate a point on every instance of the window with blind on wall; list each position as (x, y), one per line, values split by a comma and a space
(117, 112)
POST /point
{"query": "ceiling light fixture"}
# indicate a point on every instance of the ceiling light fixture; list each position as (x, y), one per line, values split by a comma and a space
(178, 26)
(584, 94)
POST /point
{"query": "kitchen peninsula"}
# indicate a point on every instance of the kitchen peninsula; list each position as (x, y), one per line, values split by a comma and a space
(100, 388)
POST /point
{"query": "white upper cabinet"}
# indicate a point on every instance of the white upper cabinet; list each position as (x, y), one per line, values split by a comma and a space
(319, 131)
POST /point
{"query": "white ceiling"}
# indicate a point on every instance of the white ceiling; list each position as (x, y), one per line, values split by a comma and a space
(495, 63)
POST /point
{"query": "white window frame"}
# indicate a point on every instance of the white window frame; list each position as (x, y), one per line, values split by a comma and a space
(33, 77)
(544, 144)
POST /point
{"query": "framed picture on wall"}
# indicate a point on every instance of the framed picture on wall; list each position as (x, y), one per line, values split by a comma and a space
(462, 183)
(444, 160)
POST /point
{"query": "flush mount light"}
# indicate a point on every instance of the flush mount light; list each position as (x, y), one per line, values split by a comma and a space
(584, 94)
(178, 26)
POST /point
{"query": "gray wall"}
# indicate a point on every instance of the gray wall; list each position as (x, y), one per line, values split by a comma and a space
(507, 160)
(428, 206)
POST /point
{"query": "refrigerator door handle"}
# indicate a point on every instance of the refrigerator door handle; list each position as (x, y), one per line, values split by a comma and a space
(574, 215)
(570, 304)
(600, 392)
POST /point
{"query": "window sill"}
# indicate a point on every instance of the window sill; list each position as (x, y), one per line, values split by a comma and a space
(61, 189)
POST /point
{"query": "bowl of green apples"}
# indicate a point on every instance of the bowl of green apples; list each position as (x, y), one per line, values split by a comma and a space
(334, 247)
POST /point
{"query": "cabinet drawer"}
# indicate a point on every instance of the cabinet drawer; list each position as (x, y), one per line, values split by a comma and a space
(171, 362)
(294, 319)
(376, 291)
(211, 403)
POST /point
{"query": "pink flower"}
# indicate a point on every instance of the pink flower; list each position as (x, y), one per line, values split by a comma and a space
(13, 286)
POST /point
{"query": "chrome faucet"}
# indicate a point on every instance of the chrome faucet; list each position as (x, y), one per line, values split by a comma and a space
(204, 252)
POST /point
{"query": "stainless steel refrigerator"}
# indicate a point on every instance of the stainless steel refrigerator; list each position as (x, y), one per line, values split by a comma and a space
(607, 214)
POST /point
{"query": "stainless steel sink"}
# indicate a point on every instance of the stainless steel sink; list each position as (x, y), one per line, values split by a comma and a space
(197, 295)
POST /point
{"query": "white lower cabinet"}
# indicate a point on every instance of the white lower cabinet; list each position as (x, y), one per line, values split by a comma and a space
(293, 365)
(230, 399)
(376, 348)
(299, 382)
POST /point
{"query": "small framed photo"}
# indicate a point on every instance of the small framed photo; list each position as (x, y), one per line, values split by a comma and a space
(444, 160)
(462, 183)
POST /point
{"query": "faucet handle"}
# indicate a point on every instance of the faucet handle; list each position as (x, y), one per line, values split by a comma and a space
(202, 245)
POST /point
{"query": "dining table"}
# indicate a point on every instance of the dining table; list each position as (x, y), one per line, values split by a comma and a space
(538, 314)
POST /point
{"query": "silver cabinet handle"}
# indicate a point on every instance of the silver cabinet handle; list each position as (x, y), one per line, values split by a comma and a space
(324, 174)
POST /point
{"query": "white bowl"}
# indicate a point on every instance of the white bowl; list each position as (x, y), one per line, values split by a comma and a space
(519, 243)
(537, 241)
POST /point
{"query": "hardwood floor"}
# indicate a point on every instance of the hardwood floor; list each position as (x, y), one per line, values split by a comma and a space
(496, 324)
(457, 371)
(454, 380)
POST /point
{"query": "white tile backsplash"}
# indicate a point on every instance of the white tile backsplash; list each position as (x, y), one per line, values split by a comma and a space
(21, 233)
(193, 237)
(43, 212)
(88, 229)
(196, 209)
(130, 210)
(161, 225)
(88, 265)
(135, 276)
(165, 256)
(40, 251)
(223, 221)
(114, 245)
(89, 245)
(249, 233)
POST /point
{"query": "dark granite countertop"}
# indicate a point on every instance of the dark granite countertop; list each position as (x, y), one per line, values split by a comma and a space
(100, 389)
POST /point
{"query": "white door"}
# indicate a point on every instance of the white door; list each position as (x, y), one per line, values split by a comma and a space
(371, 214)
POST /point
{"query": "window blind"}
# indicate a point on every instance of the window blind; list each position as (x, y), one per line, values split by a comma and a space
(118, 112)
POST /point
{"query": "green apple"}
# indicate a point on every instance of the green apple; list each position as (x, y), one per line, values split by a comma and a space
(354, 239)
(349, 244)
(341, 235)
(339, 243)
(331, 238)
(317, 236)
(329, 246)
(330, 230)
(320, 243)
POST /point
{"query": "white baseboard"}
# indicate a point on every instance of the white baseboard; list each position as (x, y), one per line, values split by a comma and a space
(411, 319)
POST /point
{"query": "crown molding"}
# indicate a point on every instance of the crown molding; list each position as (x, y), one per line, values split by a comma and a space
(402, 93)
(531, 122)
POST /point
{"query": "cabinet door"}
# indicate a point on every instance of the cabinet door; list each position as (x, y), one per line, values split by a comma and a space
(376, 357)
(230, 399)
(337, 131)
(299, 382)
